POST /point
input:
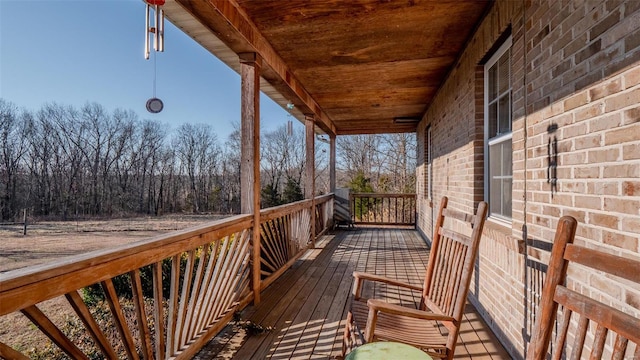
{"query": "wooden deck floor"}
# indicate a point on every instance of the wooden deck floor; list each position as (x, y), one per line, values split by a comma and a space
(307, 306)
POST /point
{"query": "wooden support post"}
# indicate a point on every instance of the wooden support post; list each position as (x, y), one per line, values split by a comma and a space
(250, 158)
(310, 172)
(332, 163)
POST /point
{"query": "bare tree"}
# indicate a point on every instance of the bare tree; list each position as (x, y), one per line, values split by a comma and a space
(282, 164)
(398, 163)
(197, 150)
(63, 161)
(359, 155)
(230, 173)
(386, 162)
(13, 146)
(322, 165)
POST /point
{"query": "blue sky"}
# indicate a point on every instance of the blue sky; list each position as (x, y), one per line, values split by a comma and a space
(77, 51)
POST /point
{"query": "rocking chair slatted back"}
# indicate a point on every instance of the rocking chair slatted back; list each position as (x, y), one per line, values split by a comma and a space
(451, 261)
(580, 312)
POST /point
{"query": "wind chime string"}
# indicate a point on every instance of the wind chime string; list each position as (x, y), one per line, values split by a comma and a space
(155, 73)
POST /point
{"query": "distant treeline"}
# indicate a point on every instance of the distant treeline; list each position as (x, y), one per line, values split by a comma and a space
(64, 162)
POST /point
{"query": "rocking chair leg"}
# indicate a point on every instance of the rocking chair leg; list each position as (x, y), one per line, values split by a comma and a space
(347, 334)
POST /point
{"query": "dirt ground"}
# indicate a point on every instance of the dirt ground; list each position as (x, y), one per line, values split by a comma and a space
(50, 240)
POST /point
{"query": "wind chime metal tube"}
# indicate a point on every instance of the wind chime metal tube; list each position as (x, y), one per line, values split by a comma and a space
(146, 32)
(157, 28)
(160, 28)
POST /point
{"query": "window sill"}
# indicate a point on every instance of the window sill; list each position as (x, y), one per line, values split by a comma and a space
(499, 223)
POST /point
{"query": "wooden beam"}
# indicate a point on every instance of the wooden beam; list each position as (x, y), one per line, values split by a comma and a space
(229, 22)
(250, 64)
(350, 129)
(310, 173)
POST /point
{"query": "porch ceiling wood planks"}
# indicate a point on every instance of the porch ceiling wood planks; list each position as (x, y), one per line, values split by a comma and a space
(356, 64)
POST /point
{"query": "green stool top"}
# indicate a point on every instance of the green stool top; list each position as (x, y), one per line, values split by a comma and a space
(386, 350)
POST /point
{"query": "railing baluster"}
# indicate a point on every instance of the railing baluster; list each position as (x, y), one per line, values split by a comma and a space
(49, 328)
(386, 212)
(173, 305)
(383, 210)
(238, 263)
(141, 315)
(184, 300)
(203, 301)
(403, 211)
(281, 241)
(195, 292)
(191, 298)
(268, 254)
(158, 310)
(119, 319)
(396, 210)
(288, 233)
(7, 351)
(219, 309)
(369, 212)
(81, 309)
(217, 277)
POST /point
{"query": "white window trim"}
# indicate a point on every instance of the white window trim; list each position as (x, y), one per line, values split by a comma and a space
(494, 58)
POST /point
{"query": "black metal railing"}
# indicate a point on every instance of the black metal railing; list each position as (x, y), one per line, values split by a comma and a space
(383, 209)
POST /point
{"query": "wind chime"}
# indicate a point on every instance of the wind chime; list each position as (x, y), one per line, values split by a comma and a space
(154, 105)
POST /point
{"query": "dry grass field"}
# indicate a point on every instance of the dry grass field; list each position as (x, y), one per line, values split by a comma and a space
(51, 240)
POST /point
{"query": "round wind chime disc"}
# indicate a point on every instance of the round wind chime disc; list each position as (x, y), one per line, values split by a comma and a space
(154, 105)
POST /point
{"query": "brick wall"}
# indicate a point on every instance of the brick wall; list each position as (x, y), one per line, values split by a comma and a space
(575, 68)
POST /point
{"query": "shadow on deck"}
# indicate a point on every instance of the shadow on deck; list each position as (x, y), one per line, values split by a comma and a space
(307, 306)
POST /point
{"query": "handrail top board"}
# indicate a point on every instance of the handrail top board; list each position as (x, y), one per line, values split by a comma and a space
(24, 276)
(31, 274)
(382, 195)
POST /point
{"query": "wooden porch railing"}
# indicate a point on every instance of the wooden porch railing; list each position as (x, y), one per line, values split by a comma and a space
(383, 209)
(206, 272)
(324, 213)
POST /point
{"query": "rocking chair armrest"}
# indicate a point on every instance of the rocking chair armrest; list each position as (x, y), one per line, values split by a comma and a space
(382, 306)
(359, 276)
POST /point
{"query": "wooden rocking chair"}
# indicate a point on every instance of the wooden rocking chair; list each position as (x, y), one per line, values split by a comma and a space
(579, 310)
(434, 326)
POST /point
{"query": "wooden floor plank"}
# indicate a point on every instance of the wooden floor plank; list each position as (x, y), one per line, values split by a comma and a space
(278, 293)
(490, 346)
(280, 315)
(327, 313)
(309, 303)
(292, 337)
(357, 258)
(289, 306)
(331, 337)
